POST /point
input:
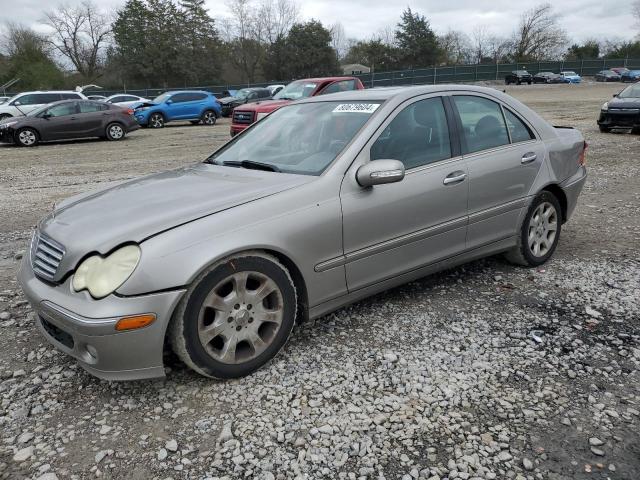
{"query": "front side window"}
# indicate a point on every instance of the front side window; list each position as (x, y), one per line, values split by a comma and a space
(517, 128)
(62, 109)
(301, 139)
(417, 136)
(162, 98)
(181, 97)
(482, 123)
(26, 100)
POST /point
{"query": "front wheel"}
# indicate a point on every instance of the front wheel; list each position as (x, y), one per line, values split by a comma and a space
(156, 120)
(114, 132)
(235, 317)
(540, 231)
(27, 137)
(209, 117)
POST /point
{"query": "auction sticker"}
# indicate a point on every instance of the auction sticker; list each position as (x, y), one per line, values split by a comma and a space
(356, 108)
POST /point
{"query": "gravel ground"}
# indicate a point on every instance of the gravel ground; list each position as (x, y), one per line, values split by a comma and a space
(486, 371)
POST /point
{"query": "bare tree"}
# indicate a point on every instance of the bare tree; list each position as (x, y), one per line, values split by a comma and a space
(339, 40)
(275, 18)
(80, 34)
(635, 11)
(538, 35)
(244, 32)
(480, 43)
(456, 47)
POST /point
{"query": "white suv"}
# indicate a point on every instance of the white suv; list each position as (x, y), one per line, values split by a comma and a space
(23, 103)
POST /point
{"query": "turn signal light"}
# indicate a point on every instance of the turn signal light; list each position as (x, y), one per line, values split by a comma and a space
(582, 160)
(135, 322)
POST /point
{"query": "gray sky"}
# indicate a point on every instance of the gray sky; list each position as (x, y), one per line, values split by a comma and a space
(582, 19)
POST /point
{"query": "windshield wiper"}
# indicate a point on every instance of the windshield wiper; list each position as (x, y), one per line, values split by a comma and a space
(251, 165)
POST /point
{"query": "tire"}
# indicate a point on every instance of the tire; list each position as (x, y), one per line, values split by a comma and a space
(507, 82)
(156, 120)
(635, 130)
(536, 231)
(604, 129)
(209, 118)
(529, 83)
(27, 137)
(194, 122)
(220, 357)
(114, 132)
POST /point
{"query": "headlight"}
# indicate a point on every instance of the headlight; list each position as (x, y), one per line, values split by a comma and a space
(8, 124)
(103, 275)
(261, 115)
(605, 106)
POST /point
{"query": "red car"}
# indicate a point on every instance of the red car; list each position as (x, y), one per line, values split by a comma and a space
(245, 115)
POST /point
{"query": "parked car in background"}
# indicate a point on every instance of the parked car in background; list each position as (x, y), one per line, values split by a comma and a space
(631, 76)
(68, 119)
(23, 103)
(197, 106)
(607, 76)
(619, 70)
(125, 99)
(242, 96)
(3, 99)
(549, 77)
(518, 77)
(275, 88)
(96, 97)
(244, 116)
(623, 111)
(324, 202)
(572, 76)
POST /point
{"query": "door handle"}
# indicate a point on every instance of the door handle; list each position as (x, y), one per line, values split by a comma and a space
(454, 177)
(528, 158)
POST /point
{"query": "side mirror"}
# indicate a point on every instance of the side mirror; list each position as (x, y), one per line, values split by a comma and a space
(169, 101)
(17, 103)
(615, 95)
(379, 172)
(46, 115)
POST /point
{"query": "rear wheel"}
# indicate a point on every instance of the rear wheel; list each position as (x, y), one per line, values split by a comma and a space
(156, 120)
(539, 233)
(209, 117)
(114, 132)
(635, 130)
(236, 317)
(27, 137)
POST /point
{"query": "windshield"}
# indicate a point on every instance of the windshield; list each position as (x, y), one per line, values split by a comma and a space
(302, 139)
(37, 111)
(632, 91)
(243, 93)
(296, 90)
(162, 98)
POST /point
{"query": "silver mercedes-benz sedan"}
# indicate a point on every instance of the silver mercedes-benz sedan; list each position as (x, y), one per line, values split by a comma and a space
(321, 203)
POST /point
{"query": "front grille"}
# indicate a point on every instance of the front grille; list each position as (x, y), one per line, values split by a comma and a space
(57, 334)
(46, 255)
(244, 118)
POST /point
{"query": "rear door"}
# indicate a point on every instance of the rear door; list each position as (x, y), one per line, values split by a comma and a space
(504, 157)
(395, 228)
(91, 117)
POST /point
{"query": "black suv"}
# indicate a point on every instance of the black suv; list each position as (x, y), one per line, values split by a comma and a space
(518, 77)
(242, 96)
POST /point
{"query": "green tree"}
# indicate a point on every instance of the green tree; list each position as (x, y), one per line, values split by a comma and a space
(309, 52)
(625, 50)
(29, 59)
(590, 49)
(200, 59)
(374, 54)
(416, 41)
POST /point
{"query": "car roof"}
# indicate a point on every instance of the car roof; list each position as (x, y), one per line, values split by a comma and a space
(50, 91)
(324, 79)
(173, 92)
(401, 93)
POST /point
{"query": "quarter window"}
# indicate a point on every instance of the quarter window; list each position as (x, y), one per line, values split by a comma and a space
(482, 122)
(517, 128)
(417, 136)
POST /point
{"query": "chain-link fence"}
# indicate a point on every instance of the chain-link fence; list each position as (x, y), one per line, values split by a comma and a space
(421, 76)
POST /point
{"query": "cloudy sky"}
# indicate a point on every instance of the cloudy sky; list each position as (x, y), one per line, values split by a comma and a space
(582, 19)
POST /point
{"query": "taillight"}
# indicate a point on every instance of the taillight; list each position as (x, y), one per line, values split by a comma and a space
(582, 160)
(130, 111)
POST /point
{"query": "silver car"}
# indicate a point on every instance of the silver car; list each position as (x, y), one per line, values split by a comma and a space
(321, 203)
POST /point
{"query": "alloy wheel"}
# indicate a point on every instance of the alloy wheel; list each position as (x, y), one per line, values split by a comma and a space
(240, 317)
(156, 121)
(543, 227)
(116, 132)
(209, 118)
(27, 137)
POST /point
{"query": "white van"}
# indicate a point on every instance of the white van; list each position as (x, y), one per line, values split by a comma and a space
(23, 103)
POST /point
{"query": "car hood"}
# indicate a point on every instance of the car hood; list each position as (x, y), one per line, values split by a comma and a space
(225, 100)
(624, 103)
(266, 106)
(134, 210)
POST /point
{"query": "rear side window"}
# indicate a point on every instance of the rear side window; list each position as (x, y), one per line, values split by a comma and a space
(482, 123)
(118, 99)
(341, 86)
(90, 107)
(517, 129)
(417, 136)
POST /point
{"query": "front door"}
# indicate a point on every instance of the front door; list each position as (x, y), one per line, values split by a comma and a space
(61, 122)
(504, 157)
(395, 228)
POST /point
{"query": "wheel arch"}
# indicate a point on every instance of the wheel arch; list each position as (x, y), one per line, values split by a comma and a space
(557, 191)
(38, 133)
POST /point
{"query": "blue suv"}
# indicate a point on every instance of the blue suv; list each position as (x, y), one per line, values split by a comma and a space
(193, 105)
